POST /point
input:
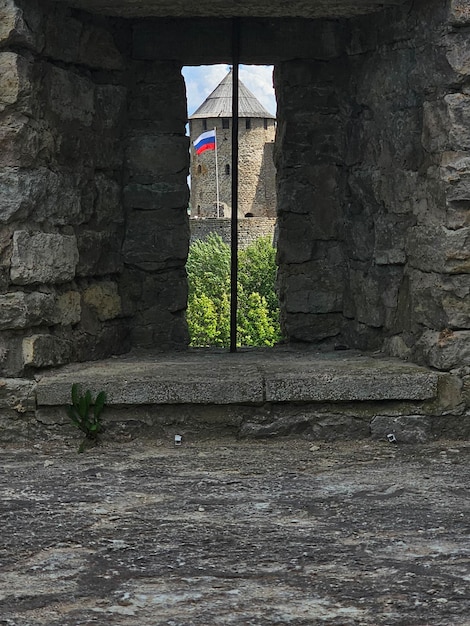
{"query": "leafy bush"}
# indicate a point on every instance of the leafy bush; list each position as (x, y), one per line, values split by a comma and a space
(208, 311)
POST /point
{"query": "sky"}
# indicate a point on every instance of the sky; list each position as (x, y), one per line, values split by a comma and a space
(202, 80)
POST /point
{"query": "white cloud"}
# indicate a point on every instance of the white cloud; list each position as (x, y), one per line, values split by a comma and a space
(202, 80)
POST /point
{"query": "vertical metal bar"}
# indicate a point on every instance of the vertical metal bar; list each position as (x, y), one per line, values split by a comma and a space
(234, 222)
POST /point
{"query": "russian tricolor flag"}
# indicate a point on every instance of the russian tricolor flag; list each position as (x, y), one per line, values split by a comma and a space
(204, 142)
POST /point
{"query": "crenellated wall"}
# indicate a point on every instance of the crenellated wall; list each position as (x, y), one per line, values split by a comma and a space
(373, 171)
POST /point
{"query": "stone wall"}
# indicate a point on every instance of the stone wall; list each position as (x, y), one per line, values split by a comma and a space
(156, 194)
(249, 229)
(62, 113)
(374, 235)
(257, 185)
(93, 194)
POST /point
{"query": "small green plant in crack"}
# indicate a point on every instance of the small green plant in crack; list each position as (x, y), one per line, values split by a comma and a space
(86, 415)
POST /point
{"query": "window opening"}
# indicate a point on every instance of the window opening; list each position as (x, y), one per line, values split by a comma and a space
(204, 199)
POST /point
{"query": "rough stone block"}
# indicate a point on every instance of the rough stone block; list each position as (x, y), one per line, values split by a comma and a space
(110, 107)
(316, 289)
(108, 207)
(17, 394)
(68, 308)
(20, 24)
(46, 351)
(22, 310)
(460, 12)
(458, 53)
(436, 126)
(458, 105)
(151, 158)
(311, 384)
(157, 239)
(444, 350)
(98, 50)
(43, 258)
(450, 394)
(311, 327)
(433, 248)
(62, 34)
(156, 102)
(24, 142)
(407, 429)
(99, 253)
(104, 299)
(390, 234)
(440, 301)
(15, 82)
(71, 98)
(161, 195)
(375, 294)
(55, 197)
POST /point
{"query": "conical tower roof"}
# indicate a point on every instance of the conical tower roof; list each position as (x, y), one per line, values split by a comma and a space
(219, 103)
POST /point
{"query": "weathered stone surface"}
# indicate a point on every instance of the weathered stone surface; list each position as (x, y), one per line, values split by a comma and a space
(455, 171)
(458, 105)
(311, 384)
(20, 24)
(374, 295)
(433, 248)
(108, 207)
(97, 49)
(459, 53)
(390, 237)
(15, 82)
(43, 258)
(68, 308)
(24, 143)
(104, 299)
(17, 394)
(445, 350)
(22, 310)
(157, 239)
(450, 394)
(310, 327)
(151, 158)
(54, 196)
(291, 521)
(99, 253)
(161, 195)
(440, 301)
(460, 12)
(71, 97)
(409, 429)
(218, 8)
(45, 351)
(317, 287)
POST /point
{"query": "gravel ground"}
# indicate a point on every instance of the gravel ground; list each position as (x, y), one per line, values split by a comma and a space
(222, 532)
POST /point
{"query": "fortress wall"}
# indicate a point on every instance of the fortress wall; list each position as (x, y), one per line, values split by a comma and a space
(249, 229)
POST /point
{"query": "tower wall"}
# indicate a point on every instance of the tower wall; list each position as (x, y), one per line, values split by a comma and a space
(257, 192)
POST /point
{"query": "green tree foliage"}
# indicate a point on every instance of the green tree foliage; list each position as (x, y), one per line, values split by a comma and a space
(208, 311)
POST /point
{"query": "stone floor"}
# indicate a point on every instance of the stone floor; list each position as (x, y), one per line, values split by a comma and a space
(220, 532)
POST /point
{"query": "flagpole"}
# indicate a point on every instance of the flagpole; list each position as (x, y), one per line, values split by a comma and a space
(216, 173)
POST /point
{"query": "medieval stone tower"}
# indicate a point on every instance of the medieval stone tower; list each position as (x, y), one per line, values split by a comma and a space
(257, 192)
